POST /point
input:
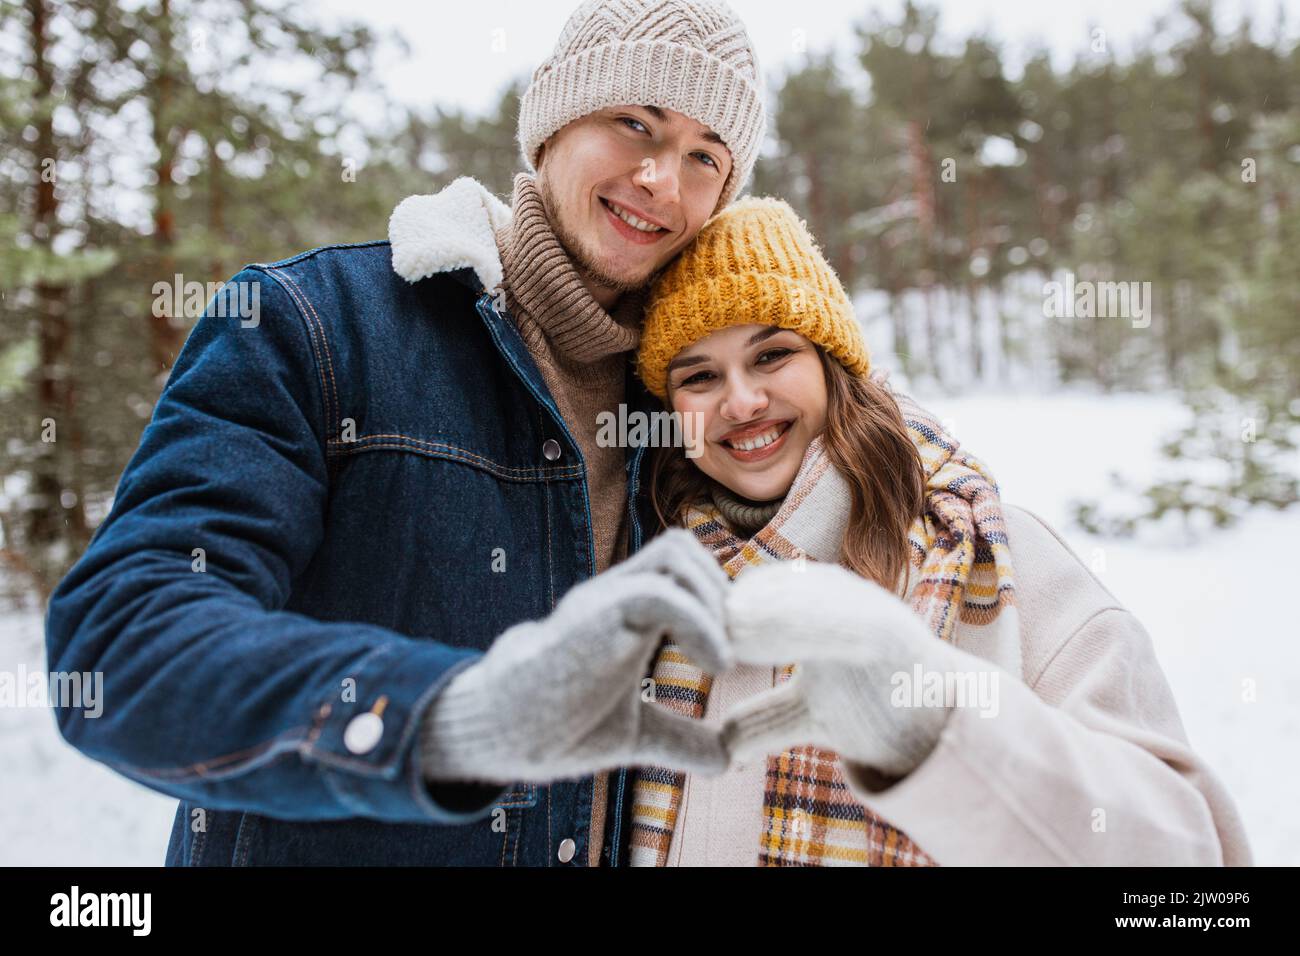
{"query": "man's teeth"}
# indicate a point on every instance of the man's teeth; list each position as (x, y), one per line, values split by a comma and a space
(633, 221)
(757, 441)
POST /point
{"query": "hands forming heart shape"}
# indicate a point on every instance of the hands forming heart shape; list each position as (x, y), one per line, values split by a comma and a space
(562, 697)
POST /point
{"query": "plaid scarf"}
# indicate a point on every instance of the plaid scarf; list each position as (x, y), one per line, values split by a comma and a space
(960, 570)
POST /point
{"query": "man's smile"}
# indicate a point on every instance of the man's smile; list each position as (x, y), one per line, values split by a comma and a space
(633, 227)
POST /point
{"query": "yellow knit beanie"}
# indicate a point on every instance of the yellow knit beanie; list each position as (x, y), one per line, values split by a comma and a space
(752, 263)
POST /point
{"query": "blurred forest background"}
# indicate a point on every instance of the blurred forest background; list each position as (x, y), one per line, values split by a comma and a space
(946, 191)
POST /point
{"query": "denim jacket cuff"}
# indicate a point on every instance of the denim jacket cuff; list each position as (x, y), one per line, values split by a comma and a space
(367, 748)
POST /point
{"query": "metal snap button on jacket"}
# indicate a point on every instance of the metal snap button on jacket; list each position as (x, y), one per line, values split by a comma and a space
(363, 733)
(551, 449)
(567, 847)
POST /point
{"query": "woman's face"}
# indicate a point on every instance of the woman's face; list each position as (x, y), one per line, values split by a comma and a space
(760, 392)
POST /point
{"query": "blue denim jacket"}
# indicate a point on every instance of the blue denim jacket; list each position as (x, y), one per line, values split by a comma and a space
(363, 471)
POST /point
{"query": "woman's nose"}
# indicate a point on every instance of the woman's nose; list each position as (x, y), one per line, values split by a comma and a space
(744, 400)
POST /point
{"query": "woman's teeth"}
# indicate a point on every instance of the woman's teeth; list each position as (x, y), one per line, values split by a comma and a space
(633, 221)
(758, 441)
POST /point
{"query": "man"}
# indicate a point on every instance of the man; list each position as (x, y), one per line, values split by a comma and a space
(339, 506)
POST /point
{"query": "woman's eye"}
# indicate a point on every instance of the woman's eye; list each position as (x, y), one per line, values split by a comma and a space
(708, 159)
(695, 379)
(628, 119)
(775, 354)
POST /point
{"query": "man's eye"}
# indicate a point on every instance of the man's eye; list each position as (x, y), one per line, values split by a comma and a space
(629, 119)
(775, 354)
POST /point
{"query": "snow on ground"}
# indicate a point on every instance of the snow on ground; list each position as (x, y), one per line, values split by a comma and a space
(1206, 605)
(58, 808)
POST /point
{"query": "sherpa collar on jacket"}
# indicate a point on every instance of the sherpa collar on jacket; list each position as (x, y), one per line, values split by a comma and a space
(453, 228)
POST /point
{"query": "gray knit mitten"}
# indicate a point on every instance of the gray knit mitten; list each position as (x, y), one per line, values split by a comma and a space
(562, 697)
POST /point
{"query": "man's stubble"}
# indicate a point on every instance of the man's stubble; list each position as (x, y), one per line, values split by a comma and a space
(584, 260)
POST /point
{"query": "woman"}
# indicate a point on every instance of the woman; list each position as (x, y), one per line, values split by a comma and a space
(929, 676)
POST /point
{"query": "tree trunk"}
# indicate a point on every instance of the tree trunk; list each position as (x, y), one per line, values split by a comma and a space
(166, 335)
(55, 524)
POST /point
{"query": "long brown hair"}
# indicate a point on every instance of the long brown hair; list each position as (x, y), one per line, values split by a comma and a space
(867, 441)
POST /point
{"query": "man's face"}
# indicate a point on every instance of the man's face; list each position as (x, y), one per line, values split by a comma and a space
(659, 167)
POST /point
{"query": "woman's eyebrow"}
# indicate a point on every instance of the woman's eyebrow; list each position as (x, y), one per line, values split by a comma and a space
(767, 333)
(754, 339)
(686, 360)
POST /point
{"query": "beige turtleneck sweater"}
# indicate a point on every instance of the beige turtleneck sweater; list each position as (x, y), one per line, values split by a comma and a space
(581, 351)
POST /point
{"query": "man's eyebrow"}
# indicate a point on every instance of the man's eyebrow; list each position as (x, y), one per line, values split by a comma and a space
(660, 115)
(754, 339)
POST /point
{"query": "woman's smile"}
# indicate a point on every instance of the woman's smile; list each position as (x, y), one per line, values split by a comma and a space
(756, 442)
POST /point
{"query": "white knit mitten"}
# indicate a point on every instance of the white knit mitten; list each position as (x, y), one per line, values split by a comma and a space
(849, 637)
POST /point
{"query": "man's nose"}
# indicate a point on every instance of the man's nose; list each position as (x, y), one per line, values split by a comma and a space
(660, 173)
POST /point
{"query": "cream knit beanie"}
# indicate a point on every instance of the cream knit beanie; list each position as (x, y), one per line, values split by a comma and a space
(691, 56)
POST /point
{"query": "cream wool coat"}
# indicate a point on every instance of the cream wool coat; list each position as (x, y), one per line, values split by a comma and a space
(1085, 763)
